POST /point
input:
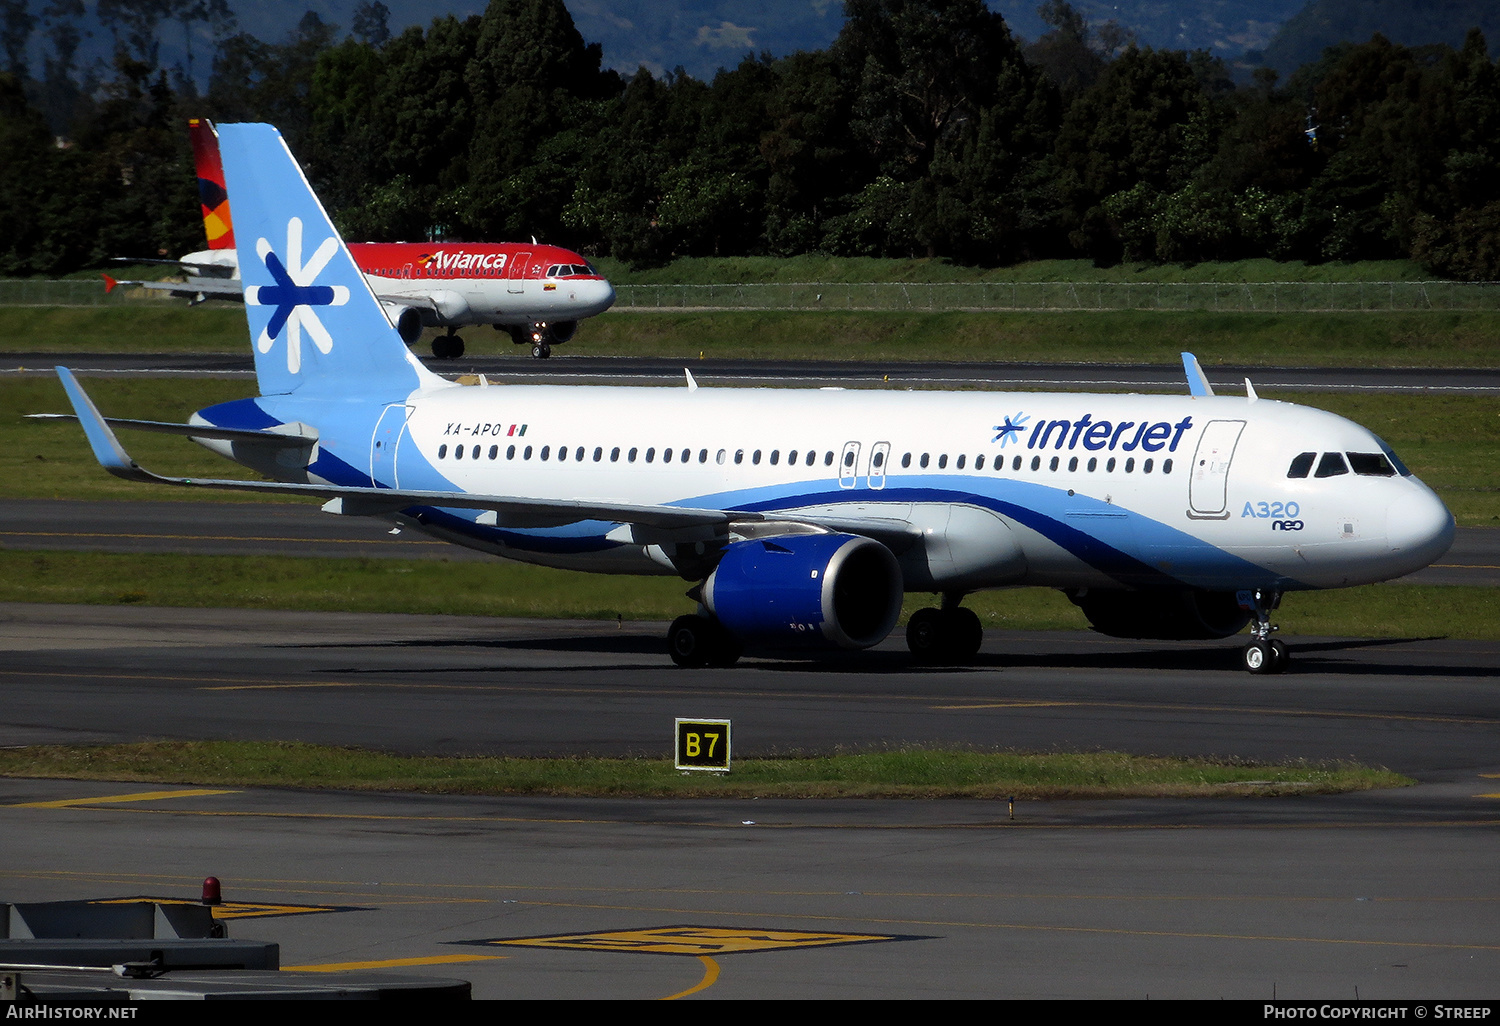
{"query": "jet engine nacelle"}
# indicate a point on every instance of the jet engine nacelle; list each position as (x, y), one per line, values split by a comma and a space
(807, 591)
(1162, 616)
(451, 307)
(407, 319)
(561, 331)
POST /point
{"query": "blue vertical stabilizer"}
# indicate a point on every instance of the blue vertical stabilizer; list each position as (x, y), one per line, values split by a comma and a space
(314, 323)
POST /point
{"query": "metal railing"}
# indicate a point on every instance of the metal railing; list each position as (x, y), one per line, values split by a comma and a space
(1247, 297)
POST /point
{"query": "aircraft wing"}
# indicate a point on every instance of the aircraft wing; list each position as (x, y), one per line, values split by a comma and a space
(194, 287)
(374, 501)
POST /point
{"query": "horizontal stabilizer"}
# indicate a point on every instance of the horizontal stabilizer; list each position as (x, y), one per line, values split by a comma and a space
(196, 430)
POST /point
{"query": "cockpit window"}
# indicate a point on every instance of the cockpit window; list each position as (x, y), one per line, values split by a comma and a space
(1301, 464)
(1395, 460)
(1331, 465)
(1371, 464)
(552, 272)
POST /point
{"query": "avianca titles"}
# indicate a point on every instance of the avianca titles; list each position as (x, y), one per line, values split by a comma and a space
(537, 293)
(800, 517)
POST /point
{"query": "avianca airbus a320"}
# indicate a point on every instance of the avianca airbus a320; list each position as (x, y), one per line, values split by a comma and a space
(800, 516)
(537, 293)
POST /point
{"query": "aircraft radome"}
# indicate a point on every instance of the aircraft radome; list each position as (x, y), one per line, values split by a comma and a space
(537, 293)
(800, 516)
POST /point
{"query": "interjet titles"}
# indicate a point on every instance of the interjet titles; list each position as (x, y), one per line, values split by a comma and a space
(1102, 434)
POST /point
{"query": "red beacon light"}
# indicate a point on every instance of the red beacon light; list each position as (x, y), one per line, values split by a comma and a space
(211, 895)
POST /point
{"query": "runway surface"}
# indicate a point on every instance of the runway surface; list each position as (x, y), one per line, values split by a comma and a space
(229, 528)
(1393, 893)
(565, 368)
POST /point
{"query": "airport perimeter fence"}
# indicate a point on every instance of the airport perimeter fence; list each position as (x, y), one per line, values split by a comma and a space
(1251, 297)
(1254, 297)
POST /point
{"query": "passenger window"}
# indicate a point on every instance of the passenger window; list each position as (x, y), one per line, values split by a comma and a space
(703, 456)
(1130, 465)
(1146, 467)
(494, 451)
(458, 452)
(828, 459)
(960, 464)
(1054, 463)
(1072, 464)
(739, 456)
(442, 451)
(526, 453)
(562, 453)
(666, 455)
(1036, 462)
(1371, 464)
(755, 458)
(1016, 464)
(1331, 465)
(598, 453)
(1166, 466)
(630, 456)
(979, 462)
(510, 452)
(791, 458)
(879, 460)
(1110, 466)
(943, 462)
(1093, 464)
(849, 458)
(775, 457)
(719, 459)
(614, 455)
(1301, 464)
(578, 455)
(923, 460)
(475, 453)
(906, 460)
(651, 454)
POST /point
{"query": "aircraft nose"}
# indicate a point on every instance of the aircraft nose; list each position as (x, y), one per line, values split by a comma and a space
(1419, 526)
(605, 296)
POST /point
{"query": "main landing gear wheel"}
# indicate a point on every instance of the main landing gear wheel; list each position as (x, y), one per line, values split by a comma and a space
(694, 641)
(944, 636)
(447, 347)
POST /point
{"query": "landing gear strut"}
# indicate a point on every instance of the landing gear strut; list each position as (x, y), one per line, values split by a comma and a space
(948, 636)
(695, 641)
(538, 336)
(447, 347)
(1263, 654)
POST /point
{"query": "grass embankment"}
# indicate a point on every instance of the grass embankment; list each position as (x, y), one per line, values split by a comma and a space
(1404, 339)
(500, 588)
(909, 773)
(1448, 441)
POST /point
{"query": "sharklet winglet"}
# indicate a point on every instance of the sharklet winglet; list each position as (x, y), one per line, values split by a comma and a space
(1197, 381)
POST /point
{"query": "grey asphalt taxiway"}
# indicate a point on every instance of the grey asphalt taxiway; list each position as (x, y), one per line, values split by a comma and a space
(1387, 894)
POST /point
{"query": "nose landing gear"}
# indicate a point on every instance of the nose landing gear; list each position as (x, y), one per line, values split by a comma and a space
(1263, 654)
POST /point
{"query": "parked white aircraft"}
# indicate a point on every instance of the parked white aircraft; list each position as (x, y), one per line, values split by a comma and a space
(801, 515)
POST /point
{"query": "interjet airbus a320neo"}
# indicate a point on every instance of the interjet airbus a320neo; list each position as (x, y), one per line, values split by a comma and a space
(801, 516)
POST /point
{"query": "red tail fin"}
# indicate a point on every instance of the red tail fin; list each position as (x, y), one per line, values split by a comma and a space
(212, 194)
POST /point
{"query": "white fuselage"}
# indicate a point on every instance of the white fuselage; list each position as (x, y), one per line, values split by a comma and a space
(1064, 490)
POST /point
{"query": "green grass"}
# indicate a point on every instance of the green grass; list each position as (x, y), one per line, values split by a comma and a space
(817, 268)
(904, 773)
(1404, 339)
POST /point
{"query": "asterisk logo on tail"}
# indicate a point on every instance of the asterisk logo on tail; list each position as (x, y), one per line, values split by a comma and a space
(294, 295)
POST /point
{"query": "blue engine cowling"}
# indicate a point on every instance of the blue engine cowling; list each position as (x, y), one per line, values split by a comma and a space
(807, 590)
